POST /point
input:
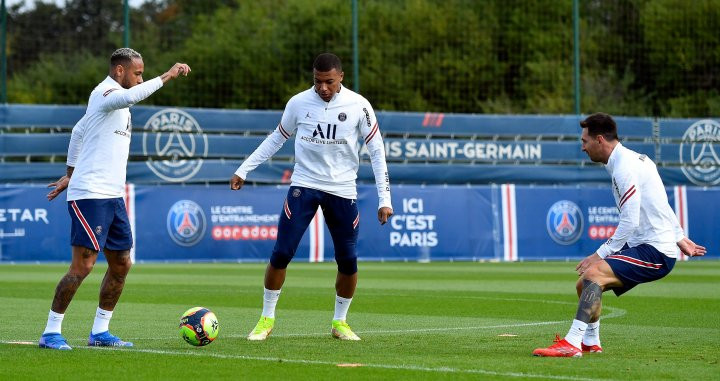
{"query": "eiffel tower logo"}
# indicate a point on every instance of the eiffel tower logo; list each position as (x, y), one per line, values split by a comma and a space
(698, 155)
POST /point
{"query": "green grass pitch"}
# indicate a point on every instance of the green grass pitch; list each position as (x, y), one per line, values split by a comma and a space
(417, 321)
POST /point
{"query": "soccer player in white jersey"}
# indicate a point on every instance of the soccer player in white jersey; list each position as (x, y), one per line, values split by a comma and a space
(642, 249)
(95, 180)
(328, 120)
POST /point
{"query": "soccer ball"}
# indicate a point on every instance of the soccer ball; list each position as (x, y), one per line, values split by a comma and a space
(199, 326)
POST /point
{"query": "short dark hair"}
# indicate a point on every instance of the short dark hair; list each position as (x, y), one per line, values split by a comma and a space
(123, 56)
(326, 62)
(601, 123)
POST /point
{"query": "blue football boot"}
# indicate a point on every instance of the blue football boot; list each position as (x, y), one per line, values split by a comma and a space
(106, 339)
(54, 341)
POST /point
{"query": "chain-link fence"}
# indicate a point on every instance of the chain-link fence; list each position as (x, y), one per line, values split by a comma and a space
(636, 57)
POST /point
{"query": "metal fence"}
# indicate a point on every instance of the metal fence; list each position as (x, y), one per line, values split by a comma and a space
(626, 57)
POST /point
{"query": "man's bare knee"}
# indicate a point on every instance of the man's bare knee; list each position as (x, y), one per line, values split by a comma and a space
(579, 286)
(83, 262)
(119, 262)
(601, 274)
(81, 271)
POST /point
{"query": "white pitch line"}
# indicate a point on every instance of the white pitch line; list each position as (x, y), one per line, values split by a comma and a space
(614, 313)
(367, 365)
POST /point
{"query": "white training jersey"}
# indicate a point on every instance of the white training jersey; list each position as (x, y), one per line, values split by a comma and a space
(100, 141)
(327, 143)
(645, 215)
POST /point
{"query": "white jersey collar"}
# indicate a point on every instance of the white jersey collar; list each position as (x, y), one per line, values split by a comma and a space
(110, 81)
(335, 96)
(614, 157)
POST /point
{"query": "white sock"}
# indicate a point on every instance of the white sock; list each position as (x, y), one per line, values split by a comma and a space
(341, 307)
(102, 321)
(576, 333)
(54, 322)
(592, 334)
(270, 299)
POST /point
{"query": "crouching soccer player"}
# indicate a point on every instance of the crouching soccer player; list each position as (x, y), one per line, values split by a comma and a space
(642, 249)
(328, 120)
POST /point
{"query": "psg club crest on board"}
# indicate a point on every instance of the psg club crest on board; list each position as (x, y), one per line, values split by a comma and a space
(174, 144)
(186, 223)
(565, 222)
(700, 153)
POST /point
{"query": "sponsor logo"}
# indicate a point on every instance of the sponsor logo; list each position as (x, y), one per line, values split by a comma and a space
(565, 222)
(342, 117)
(698, 153)
(125, 133)
(244, 233)
(367, 117)
(186, 223)
(24, 215)
(329, 132)
(177, 138)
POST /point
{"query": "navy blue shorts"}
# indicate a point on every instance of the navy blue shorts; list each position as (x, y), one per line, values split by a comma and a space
(99, 224)
(301, 204)
(639, 264)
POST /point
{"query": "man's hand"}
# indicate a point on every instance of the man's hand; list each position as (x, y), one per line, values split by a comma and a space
(175, 71)
(236, 182)
(690, 248)
(59, 185)
(383, 214)
(586, 263)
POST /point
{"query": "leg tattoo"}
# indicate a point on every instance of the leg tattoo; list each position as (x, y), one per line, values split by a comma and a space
(112, 287)
(590, 300)
(65, 291)
(114, 280)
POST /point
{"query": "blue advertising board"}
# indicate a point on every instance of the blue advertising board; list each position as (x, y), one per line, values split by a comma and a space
(196, 145)
(212, 223)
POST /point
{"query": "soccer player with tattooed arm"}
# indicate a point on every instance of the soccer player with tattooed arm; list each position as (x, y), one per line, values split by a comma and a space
(328, 120)
(95, 181)
(644, 246)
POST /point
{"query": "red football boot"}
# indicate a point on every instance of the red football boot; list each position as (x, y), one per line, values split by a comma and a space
(591, 348)
(561, 348)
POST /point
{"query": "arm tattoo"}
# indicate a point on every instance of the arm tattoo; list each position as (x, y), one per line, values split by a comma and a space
(590, 301)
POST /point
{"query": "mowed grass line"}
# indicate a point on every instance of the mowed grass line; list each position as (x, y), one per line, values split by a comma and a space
(426, 321)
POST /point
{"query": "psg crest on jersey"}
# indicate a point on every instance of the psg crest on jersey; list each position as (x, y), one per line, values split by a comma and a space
(565, 222)
(186, 223)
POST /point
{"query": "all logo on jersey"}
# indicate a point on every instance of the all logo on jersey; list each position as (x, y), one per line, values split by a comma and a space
(699, 153)
(186, 223)
(177, 142)
(564, 222)
(329, 132)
